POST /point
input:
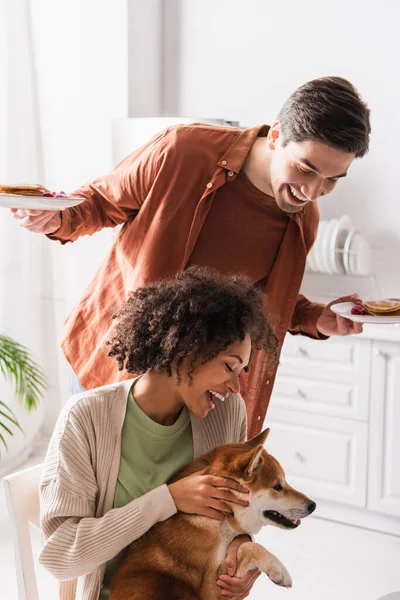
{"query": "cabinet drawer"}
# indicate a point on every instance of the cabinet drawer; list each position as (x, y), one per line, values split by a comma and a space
(345, 358)
(349, 400)
(324, 457)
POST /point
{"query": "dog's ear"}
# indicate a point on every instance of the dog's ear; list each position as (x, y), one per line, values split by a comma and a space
(259, 439)
(255, 459)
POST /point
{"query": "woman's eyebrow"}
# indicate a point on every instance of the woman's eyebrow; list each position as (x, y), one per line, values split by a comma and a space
(236, 356)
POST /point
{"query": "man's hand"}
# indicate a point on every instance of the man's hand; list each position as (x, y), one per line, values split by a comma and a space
(329, 323)
(231, 586)
(38, 221)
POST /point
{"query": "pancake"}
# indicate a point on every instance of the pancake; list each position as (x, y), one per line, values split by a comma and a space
(388, 306)
(23, 190)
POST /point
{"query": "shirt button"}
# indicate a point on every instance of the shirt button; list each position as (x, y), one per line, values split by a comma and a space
(230, 173)
(258, 418)
(223, 162)
(268, 382)
(209, 185)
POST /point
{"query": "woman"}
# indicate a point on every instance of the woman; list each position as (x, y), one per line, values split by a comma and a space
(114, 447)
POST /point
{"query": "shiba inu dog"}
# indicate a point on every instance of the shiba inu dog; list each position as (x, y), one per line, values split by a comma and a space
(181, 557)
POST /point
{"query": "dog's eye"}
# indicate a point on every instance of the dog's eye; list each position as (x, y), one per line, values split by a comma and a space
(278, 487)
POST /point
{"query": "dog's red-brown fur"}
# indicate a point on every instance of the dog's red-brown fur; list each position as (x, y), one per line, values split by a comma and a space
(180, 558)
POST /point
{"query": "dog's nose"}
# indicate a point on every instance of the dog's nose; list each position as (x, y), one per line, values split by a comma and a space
(311, 507)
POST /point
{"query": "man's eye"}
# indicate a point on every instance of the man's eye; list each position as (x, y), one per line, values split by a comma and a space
(228, 368)
(304, 171)
(278, 487)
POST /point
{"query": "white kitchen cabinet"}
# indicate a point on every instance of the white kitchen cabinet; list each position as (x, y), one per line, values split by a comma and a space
(323, 457)
(334, 417)
(384, 455)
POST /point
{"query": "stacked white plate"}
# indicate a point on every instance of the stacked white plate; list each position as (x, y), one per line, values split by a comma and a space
(340, 248)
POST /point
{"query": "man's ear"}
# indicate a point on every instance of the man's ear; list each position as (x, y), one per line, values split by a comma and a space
(273, 135)
(255, 459)
(259, 439)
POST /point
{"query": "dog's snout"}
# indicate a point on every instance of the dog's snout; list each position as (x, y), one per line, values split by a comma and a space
(311, 507)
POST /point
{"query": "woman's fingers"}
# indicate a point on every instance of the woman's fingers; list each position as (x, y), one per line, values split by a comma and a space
(224, 482)
(228, 496)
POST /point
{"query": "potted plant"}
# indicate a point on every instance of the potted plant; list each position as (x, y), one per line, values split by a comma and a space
(29, 381)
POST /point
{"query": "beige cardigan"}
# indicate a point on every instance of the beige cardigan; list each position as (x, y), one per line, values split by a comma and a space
(81, 529)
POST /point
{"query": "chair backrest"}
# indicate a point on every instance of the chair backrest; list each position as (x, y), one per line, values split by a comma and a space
(22, 498)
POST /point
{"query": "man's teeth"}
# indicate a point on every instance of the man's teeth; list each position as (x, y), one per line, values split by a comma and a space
(217, 395)
(297, 195)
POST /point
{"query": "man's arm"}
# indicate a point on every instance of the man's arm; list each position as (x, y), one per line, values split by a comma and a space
(108, 201)
(318, 321)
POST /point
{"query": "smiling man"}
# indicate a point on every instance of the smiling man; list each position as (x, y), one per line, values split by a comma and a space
(241, 201)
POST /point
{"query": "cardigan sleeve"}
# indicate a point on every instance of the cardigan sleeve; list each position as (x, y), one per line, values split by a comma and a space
(76, 539)
(77, 543)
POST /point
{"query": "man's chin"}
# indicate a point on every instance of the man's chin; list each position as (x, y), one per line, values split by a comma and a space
(290, 209)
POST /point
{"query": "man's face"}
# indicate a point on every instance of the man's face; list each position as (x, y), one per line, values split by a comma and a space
(301, 172)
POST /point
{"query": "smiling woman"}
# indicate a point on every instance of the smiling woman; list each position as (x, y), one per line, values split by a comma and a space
(187, 341)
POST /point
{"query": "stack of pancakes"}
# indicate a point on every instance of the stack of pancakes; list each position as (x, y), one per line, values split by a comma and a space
(23, 190)
(380, 308)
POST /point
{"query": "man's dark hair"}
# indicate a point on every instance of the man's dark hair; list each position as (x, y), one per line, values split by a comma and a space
(328, 110)
(199, 313)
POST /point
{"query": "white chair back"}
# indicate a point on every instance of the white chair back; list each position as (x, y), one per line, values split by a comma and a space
(22, 498)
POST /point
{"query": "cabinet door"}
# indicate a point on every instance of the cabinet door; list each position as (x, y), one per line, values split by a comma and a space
(324, 457)
(384, 450)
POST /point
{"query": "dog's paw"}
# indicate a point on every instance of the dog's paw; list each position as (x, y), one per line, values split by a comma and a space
(279, 574)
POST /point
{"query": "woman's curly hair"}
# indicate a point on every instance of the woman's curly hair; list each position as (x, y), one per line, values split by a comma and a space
(198, 313)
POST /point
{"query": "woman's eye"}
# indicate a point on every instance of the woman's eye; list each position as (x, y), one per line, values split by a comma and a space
(228, 368)
(278, 487)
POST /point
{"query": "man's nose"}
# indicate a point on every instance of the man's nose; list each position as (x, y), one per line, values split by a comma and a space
(313, 190)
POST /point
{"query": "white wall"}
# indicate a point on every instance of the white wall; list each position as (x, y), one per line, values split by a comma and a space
(240, 60)
(81, 63)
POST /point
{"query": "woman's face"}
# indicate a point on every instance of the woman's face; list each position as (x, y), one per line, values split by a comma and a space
(213, 381)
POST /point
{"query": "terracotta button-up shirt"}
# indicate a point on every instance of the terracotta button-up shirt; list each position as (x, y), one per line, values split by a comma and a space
(183, 199)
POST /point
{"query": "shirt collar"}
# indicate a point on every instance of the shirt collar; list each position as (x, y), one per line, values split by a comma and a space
(236, 154)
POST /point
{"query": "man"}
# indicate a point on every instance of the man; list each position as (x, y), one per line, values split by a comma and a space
(237, 200)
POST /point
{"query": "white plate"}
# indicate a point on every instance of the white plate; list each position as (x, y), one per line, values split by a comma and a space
(37, 202)
(360, 255)
(346, 249)
(338, 237)
(344, 310)
(318, 246)
(326, 244)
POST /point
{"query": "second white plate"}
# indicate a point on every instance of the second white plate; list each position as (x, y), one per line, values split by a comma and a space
(344, 310)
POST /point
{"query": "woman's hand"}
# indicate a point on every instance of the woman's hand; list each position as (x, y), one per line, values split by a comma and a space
(235, 587)
(201, 494)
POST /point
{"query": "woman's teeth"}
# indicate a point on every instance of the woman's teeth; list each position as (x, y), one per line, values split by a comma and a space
(297, 195)
(217, 395)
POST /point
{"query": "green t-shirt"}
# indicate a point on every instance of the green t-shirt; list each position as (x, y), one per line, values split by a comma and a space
(150, 455)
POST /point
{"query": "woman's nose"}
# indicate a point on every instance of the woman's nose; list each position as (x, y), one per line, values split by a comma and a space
(234, 383)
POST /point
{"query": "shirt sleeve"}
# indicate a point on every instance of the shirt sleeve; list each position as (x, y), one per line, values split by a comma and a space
(114, 198)
(305, 317)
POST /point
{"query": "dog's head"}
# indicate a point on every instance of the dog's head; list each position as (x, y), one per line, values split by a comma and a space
(272, 500)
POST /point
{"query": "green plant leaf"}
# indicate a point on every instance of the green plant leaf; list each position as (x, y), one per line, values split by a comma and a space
(27, 377)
